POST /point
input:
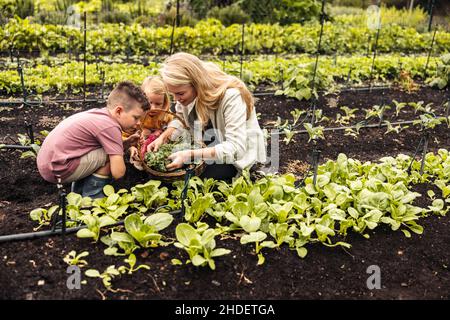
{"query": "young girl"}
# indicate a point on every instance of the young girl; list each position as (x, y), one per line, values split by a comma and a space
(153, 122)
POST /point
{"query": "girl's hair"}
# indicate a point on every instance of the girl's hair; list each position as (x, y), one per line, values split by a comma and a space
(155, 85)
(209, 82)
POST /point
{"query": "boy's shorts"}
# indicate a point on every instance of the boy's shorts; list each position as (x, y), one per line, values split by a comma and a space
(89, 163)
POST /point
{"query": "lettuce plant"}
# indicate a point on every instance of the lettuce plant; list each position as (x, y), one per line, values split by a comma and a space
(199, 244)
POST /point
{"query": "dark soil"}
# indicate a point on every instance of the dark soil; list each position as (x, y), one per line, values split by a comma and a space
(411, 268)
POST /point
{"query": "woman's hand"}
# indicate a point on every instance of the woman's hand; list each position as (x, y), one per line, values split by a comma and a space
(179, 159)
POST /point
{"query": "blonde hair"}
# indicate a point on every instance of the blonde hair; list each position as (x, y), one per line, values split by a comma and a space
(209, 82)
(155, 85)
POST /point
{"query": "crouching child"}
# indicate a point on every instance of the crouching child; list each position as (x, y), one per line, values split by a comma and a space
(87, 148)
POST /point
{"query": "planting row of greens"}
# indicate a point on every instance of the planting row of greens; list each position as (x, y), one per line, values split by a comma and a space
(210, 36)
(295, 74)
(349, 196)
(427, 118)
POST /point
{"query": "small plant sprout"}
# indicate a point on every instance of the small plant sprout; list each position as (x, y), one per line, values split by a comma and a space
(314, 132)
(106, 276)
(43, 216)
(399, 106)
(288, 135)
(318, 114)
(391, 128)
(296, 114)
(350, 132)
(349, 114)
(73, 259)
(376, 111)
(131, 260)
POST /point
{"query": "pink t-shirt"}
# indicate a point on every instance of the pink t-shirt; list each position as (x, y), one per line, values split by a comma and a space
(74, 137)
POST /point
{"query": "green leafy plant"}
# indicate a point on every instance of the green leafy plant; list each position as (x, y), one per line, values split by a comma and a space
(131, 268)
(199, 244)
(74, 259)
(314, 133)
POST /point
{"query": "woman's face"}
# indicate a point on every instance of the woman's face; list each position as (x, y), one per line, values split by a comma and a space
(183, 94)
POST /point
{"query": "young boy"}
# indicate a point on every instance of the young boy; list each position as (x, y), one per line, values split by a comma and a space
(87, 147)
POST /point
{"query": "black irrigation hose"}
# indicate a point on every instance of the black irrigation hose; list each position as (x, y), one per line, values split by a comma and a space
(13, 146)
(49, 233)
(354, 127)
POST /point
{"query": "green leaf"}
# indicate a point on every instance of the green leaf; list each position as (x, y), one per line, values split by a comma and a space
(176, 262)
(159, 220)
(253, 237)
(250, 224)
(302, 252)
(219, 252)
(92, 273)
(108, 190)
(198, 260)
(185, 233)
(86, 233)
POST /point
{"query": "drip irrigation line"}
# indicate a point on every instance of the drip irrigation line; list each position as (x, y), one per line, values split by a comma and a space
(49, 233)
(377, 125)
(13, 146)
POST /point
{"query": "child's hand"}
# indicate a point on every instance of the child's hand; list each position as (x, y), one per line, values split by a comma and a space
(134, 153)
(131, 140)
(155, 145)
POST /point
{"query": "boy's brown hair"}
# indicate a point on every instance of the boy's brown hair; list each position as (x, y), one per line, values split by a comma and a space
(126, 93)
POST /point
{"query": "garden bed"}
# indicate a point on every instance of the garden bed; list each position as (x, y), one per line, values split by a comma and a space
(411, 268)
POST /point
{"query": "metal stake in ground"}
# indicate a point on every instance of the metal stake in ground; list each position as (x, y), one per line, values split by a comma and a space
(315, 163)
(22, 81)
(375, 49)
(84, 59)
(313, 85)
(30, 134)
(171, 36)
(430, 11)
(429, 52)
(187, 178)
(242, 49)
(178, 13)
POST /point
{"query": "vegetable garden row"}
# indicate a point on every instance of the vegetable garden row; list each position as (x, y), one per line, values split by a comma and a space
(213, 38)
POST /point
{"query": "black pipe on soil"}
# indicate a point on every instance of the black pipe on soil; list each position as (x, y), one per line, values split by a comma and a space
(13, 146)
(50, 233)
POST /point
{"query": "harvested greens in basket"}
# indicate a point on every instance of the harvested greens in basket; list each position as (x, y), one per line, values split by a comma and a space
(158, 160)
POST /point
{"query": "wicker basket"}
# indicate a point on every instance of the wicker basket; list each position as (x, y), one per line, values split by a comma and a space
(155, 117)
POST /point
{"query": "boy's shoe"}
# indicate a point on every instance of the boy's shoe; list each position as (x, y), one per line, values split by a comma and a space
(93, 186)
(77, 186)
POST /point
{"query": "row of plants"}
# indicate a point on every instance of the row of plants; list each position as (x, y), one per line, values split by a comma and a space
(426, 118)
(294, 75)
(269, 213)
(233, 11)
(210, 36)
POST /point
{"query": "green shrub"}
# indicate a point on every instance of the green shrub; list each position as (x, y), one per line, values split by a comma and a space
(115, 17)
(25, 8)
(229, 15)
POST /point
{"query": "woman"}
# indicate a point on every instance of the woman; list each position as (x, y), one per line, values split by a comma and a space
(207, 98)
